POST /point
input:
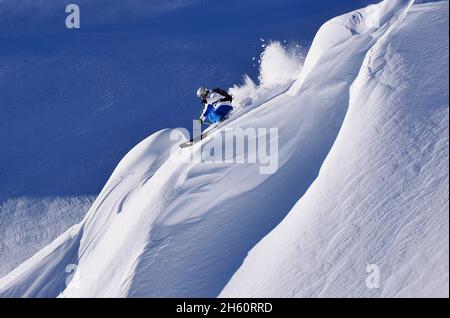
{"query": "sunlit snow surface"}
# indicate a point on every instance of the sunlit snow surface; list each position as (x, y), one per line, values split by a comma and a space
(363, 156)
(382, 193)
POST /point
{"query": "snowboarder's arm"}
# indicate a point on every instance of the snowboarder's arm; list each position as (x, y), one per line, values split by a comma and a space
(226, 97)
(206, 110)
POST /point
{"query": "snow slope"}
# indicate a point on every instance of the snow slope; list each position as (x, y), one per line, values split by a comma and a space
(166, 228)
(71, 108)
(382, 193)
(28, 224)
(73, 102)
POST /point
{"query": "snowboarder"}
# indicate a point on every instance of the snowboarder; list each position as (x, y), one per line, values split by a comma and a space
(216, 104)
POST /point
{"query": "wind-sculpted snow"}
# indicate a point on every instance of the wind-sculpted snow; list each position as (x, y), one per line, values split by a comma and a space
(161, 227)
(381, 198)
(47, 273)
(74, 101)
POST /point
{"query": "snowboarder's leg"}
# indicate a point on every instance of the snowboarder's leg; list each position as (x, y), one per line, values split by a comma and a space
(213, 117)
(221, 112)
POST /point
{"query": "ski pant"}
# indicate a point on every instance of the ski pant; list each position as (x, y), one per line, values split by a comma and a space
(219, 113)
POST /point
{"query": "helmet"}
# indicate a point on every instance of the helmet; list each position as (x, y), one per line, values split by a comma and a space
(202, 92)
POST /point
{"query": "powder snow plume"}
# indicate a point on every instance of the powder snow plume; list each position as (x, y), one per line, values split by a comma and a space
(279, 66)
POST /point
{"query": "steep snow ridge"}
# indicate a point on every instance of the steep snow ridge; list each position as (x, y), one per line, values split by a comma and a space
(74, 103)
(373, 20)
(162, 228)
(382, 194)
(46, 273)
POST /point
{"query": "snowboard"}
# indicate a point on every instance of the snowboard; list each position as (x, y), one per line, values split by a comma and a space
(196, 139)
